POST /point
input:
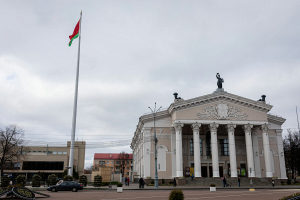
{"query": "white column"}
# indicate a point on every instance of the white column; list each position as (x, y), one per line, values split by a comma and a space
(281, 154)
(232, 153)
(197, 156)
(146, 151)
(173, 149)
(256, 154)
(249, 150)
(214, 149)
(265, 136)
(178, 130)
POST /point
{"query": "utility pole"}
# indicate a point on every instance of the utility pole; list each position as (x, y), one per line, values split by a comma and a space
(155, 142)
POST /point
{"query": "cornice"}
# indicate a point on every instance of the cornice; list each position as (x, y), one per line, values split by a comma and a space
(275, 119)
(223, 96)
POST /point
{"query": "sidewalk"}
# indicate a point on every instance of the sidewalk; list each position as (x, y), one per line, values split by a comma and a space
(135, 186)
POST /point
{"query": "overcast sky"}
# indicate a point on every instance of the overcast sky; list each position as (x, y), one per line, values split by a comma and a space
(136, 53)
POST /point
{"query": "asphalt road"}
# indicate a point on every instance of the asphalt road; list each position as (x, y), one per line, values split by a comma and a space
(232, 194)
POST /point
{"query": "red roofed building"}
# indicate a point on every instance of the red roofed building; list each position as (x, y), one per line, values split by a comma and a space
(115, 161)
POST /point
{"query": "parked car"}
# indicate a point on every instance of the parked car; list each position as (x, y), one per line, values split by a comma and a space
(66, 186)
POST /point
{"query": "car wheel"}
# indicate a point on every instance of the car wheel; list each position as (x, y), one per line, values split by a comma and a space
(53, 190)
(74, 190)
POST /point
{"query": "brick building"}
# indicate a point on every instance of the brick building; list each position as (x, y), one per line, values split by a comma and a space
(114, 161)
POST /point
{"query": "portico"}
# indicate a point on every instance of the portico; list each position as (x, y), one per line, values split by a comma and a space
(215, 135)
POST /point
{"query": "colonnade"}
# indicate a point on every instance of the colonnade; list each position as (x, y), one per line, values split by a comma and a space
(214, 148)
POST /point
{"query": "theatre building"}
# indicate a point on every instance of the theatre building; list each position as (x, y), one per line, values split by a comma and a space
(215, 135)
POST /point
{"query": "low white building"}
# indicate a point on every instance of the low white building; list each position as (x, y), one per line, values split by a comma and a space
(215, 135)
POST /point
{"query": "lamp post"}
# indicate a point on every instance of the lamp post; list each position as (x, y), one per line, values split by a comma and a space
(155, 142)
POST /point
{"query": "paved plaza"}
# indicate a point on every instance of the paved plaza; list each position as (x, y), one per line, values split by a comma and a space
(162, 194)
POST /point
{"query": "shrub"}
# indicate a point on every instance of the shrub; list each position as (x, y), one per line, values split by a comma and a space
(97, 181)
(52, 179)
(171, 182)
(83, 180)
(289, 182)
(296, 182)
(152, 182)
(176, 195)
(68, 178)
(5, 181)
(21, 179)
(36, 181)
(212, 185)
(162, 181)
(105, 184)
(119, 185)
(291, 196)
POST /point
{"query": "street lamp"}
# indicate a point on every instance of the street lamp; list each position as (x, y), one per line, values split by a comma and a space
(155, 142)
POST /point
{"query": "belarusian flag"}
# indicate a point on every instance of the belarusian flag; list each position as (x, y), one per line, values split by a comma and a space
(75, 33)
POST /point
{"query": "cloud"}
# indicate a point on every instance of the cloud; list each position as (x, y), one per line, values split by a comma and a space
(135, 53)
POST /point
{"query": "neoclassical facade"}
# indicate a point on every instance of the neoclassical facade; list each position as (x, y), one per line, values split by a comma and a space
(215, 135)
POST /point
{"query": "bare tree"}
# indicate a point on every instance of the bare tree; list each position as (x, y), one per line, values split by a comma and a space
(88, 170)
(123, 157)
(291, 146)
(11, 146)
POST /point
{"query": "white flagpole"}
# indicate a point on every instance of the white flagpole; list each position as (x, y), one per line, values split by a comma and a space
(70, 172)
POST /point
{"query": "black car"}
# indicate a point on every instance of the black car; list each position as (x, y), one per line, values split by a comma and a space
(66, 186)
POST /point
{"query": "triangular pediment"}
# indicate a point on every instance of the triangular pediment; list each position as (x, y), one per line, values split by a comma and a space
(217, 97)
(212, 107)
(220, 106)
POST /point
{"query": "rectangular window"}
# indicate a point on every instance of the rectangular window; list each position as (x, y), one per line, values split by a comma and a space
(107, 162)
(118, 162)
(127, 173)
(208, 146)
(54, 152)
(23, 152)
(96, 162)
(34, 165)
(44, 151)
(117, 167)
(112, 162)
(101, 162)
(224, 147)
(191, 147)
(64, 152)
(128, 168)
(127, 162)
(60, 152)
(49, 152)
(200, 140)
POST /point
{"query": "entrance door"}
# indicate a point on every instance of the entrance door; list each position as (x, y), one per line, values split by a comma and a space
(221, 171)
(210, 171)
(243, 169)
(204, 171)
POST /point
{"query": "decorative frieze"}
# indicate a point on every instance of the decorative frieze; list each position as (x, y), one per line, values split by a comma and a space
(222, 111)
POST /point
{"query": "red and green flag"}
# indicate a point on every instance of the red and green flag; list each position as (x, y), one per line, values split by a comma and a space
(75, 33)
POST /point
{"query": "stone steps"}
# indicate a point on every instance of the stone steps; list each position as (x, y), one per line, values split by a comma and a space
(232, 182)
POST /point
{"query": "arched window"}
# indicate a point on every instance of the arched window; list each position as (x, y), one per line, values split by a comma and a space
(161, 157)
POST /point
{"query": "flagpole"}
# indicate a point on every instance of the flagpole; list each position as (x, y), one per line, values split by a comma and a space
(70, 168)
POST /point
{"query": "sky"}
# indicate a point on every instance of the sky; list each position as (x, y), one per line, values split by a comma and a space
(135, 53)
